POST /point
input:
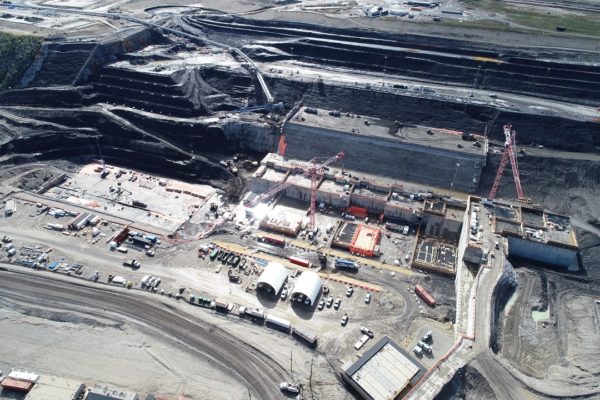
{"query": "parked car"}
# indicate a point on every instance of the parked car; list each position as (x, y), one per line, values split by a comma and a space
(329, 302)
(284, 294)
(337, 303)
(366, 331)
(349, 291)
(344, 320)
(321, 305)
(427, 336)
(418, 351)
(368, 298)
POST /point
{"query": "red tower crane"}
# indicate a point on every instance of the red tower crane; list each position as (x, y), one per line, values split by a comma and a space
(312, 171)
(508, 154)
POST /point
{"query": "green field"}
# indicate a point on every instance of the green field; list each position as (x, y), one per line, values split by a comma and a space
(584, 24)
(573, 23)
(16, 53)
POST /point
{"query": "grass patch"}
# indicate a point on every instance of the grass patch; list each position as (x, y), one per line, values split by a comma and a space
(479, 23)
(573, 23)
(584, 24)
(16, 53)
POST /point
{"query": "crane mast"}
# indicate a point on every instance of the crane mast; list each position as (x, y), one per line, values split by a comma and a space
(508, 154)
(312, 170)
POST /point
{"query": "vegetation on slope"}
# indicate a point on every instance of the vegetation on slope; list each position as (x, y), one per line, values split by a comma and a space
(16, 53)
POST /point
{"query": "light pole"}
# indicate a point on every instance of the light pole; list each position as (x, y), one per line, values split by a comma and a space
(453, 178)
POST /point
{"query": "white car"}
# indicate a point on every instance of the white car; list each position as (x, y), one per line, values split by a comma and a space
(321, 304)
(344, 320)
(368, 298)
(284, 294)
(329, 302)
(337, 303)
(366, 331)
(349, 291)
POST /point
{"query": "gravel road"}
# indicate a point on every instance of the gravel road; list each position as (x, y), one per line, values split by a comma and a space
(231, 355)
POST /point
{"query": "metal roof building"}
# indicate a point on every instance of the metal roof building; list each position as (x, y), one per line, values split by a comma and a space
(272, 278)
(384, 372)
(56, 388)
(105, 393)
(308, 286)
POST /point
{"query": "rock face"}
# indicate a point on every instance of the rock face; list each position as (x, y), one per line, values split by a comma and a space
(79, 97)
(467, 384)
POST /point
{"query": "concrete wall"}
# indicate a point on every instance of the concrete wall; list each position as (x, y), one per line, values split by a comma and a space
(540, 252)
(394, 159)
(251, 136)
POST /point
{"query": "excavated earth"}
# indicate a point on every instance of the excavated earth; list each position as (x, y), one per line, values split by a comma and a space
(75, 104)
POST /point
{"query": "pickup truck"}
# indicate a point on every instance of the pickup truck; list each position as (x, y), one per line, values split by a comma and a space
(132, 263)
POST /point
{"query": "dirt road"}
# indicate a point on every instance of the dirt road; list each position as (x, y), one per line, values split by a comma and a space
(257, 371)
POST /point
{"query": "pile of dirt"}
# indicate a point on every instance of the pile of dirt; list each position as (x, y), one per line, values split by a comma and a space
(467, 384)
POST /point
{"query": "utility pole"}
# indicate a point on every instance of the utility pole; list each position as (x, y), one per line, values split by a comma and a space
(384, 70)
(310, 377)
(291, 370)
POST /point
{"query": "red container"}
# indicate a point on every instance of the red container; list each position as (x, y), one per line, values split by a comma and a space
(299, 261)
(424, 294)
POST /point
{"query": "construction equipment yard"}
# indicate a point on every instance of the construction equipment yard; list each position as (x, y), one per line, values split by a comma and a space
(307, 200)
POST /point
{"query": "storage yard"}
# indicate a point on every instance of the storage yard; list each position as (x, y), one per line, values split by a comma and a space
(300, 200)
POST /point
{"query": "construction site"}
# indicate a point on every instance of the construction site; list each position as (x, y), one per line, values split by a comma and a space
(299, 200)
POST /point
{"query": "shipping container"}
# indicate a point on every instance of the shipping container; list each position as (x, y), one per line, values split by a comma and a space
(423, 294)
(300, 261)
(278, 323)
(342, 263)
(273, 240)
(24, 376)
(13, 384)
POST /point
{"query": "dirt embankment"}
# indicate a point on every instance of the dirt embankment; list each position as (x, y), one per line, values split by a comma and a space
(553, 132)
(565, 185)
(550, 332)
(76, 134)
(433, 59)
(467, 384)
(501, 294)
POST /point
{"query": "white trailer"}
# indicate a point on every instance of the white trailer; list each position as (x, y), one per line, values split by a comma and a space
(307, 336)
(278, 323)
(10, 208)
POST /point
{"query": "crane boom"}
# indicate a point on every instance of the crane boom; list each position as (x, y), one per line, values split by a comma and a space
(311, 170)
(508, 154)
